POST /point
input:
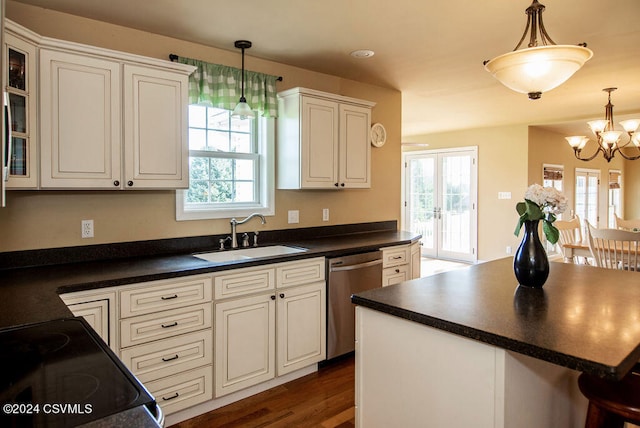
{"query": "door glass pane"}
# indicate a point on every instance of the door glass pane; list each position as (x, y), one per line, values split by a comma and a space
(18, 106)
(17, 66)
(421, 199)
(18, 157)
(456, 210)
(587, 198)
(592, 200)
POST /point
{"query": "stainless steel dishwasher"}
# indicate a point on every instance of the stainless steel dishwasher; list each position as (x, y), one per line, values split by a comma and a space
(348, 275)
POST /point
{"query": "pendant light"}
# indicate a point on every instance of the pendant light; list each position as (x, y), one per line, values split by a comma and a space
(243, 110)
(609, 140)
(541, 66)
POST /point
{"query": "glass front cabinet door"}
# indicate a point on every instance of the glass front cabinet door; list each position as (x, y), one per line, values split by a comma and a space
(20, 69)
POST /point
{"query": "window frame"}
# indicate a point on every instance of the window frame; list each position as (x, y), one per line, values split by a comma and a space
(265, 183)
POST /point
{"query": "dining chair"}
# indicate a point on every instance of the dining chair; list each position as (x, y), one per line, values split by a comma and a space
(570, 233)
(614, 248)
(633, 225)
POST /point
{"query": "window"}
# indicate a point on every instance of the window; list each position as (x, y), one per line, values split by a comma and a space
(230, 166)
(553, 176)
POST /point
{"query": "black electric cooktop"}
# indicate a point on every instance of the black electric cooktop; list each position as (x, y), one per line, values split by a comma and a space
(61, 374)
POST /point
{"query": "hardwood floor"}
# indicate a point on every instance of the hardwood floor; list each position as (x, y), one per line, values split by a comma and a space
(322, 399)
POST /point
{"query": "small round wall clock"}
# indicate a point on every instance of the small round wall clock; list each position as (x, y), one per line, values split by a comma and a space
(378, 135)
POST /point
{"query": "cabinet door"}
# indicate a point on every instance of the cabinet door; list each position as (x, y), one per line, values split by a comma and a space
(396, 275)
(319, 151)
(355, 149)
(301, 333)
(98, 308)
(79, 121)
(21, 86)
(155, 128)
(244, 343)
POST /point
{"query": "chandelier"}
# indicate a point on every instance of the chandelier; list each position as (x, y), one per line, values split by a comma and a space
(608, 139)
(537, 69)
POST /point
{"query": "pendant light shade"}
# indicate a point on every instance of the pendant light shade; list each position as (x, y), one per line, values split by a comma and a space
(537, 69)
(243, 110)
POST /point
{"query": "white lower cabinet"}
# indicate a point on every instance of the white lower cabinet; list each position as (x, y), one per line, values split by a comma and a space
(245, 342)
(400, 263)
(190, 337)
(166, 339)
(182, 390)
(98, 308)
(269, 334)
(301, 327)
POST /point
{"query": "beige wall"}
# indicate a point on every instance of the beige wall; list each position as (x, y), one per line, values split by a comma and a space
(46, 219)
(547, 147)
(502, 165)
(631, 185)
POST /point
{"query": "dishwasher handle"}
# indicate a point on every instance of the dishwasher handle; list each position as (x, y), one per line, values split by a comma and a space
(333, 268)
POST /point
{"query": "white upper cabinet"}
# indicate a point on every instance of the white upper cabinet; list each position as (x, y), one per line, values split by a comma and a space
(80, 121)
(111, 120)
(323, 141)
(155, 124)
(20, 51)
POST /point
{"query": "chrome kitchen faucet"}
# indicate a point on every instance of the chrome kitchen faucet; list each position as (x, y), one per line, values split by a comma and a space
(235, 223)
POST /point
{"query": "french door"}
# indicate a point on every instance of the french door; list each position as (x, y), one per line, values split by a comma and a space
(441, 202)
(587, 185)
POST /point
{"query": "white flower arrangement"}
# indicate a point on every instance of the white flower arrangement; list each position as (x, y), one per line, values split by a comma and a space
(542, 203)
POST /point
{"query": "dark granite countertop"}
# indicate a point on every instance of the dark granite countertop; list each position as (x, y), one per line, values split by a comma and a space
(584, 318)
(30, 294)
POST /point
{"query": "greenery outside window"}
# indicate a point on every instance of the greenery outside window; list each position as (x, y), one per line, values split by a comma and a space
(230, 166)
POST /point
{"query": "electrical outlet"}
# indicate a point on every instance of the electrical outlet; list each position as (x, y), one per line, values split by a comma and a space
(294, 216)
(508, 249)
(325, 214)
(87, 228)
(504, 195)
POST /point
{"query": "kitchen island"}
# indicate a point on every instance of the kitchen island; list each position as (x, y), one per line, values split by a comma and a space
(471, 348)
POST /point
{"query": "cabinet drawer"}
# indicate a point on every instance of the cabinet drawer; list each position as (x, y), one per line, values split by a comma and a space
(244, 281)
(160, 359)
(183, 390)
(161, 295)
(394, 256)
(395, 275)
(300, 272)
(150, 327)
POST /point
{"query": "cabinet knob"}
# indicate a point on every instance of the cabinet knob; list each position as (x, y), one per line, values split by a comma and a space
(397, 270)
(282, 295)
(116, 183)
(342, 184)
(129, 183)
(336, 184)
(273, 297)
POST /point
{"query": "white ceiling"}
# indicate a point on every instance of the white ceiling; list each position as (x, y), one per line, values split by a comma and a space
(432, 51)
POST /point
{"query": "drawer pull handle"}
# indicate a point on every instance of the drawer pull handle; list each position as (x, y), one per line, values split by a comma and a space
(397, 257)
(175, 296)
(173, 324)
(176, 395)
(170, 358)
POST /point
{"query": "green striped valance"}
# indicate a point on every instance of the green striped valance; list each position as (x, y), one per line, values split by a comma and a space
(217, 85)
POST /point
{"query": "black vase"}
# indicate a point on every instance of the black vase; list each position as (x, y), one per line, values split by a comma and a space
(530, 263)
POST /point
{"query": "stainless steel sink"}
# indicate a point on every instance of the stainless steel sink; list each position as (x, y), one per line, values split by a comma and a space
(249, 253)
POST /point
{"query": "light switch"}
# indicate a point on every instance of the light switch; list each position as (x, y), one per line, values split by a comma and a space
(504, 195)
